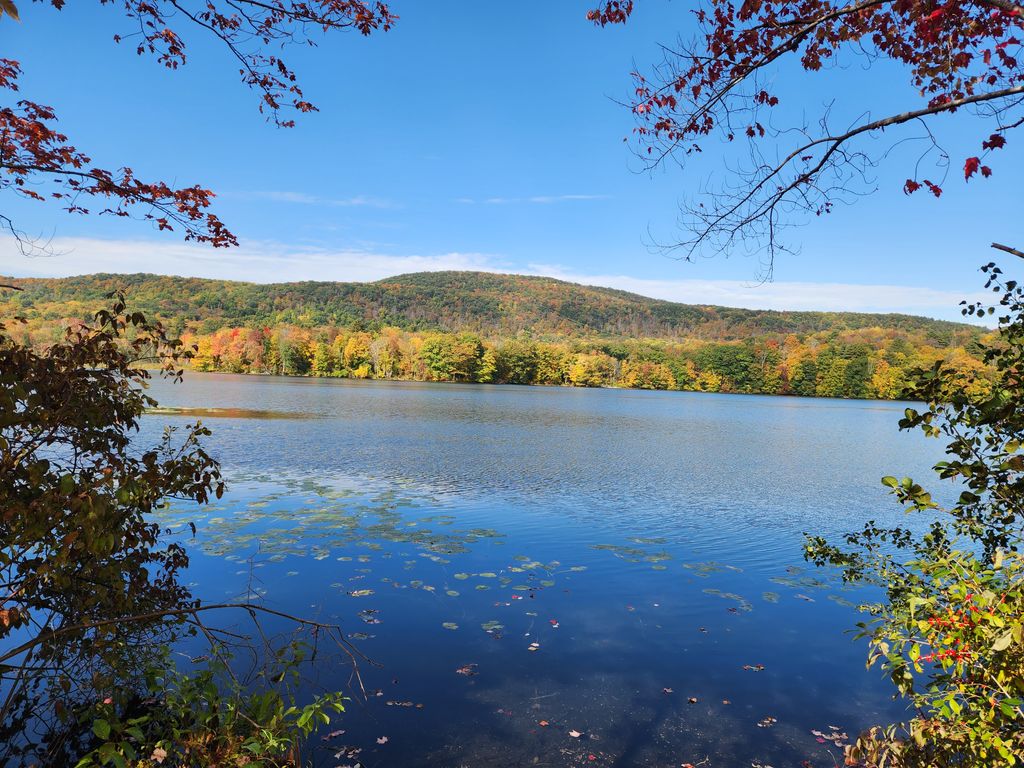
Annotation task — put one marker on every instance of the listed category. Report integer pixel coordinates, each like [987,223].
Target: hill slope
[490,304]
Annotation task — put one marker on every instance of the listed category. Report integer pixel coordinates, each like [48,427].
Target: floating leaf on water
[547,583]
[492,626]
[461,576]
[488,575]
[770,597]
[658,557]
[744,605]
[450,625]
[451,593]
[578,568]
[803,582]
[705,569]
[619,549]
[842,601]
[641,540]
[482,587]
[484,533]
[659,567]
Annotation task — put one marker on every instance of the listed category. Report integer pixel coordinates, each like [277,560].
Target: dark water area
[554,577]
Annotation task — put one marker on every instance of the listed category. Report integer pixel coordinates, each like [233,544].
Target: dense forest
[491,328]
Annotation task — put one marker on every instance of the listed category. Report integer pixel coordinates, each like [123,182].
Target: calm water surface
[597,559]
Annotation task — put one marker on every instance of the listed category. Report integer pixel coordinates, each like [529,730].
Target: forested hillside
[450,301]
[482,327]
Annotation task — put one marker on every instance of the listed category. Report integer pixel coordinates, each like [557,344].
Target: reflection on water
[226,413]
[556,577]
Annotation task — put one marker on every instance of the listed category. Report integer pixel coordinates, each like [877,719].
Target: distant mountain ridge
[483,302]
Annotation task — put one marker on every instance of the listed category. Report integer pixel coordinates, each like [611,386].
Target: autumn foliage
[476,327]
[948,623]
[38,162]
[959,56]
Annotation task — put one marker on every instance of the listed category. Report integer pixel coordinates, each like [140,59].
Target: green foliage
[950,629]
[461,357]
[954,646]
[91,598]
[84,569]
[516,362]
[207,718]
[490,305]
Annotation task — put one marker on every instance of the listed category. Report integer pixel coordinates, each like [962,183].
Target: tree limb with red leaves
[960,55]
[38,162]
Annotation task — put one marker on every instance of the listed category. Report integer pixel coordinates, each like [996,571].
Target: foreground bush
[949,629]
[90,595]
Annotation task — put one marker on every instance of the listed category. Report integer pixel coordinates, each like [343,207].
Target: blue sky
[477,136]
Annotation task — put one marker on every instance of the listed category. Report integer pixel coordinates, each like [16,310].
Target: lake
[554,576]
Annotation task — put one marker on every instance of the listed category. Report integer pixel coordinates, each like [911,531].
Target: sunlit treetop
[961,56]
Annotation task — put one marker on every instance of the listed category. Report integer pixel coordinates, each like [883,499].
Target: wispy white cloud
[839,297]
[545,199]
[534,199]
[266,262]
[302,198]
[253,262]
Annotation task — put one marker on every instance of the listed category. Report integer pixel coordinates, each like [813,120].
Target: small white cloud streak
[275,263]
[302,198]
[534,199]
[250,262]
[545,199]
[798,296]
